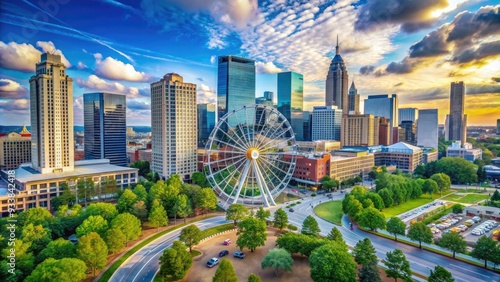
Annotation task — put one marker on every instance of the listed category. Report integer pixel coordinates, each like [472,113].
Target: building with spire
[337,83]
[353,100]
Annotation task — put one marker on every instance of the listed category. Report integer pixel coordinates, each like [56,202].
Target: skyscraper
[353,99]
[235,84]
[337,83]
[384,106]
[104,120]
[427,128]
[173,127]
[206,122]
[326,123]
[360,130]
[457,121]
[291,100]
[51,102]
[408,132]
[407,114]
[269,95]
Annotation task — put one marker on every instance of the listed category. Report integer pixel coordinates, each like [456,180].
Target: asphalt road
[143,265]
[421,261]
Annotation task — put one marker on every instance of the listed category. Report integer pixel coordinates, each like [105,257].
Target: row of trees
[458,169]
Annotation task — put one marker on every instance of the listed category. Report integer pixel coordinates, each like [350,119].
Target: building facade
[456,120]
[408,114]
[173,127]
[384,106]
[105,126]
[384,132]
[291,100]
[408,132]
[337,83]
[319,146]
[235,84]
[206,122]
[270,95]
[311,168]
[353,100]
[404,156]
[465,151]
[360,130]
[15,150]
[427,128]
[326,123]
[345,164]
[51,103]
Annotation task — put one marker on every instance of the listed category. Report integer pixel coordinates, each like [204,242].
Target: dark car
[239,255]
[291,210]
[303,192]
[212,262]
[223,253]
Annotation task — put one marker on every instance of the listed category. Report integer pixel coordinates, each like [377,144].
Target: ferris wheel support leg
[242,181]
[264,186]
[260,183]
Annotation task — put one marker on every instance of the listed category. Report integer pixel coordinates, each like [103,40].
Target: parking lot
[407,217]
[471,228]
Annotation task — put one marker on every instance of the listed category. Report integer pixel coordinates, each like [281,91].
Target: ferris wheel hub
[253,153]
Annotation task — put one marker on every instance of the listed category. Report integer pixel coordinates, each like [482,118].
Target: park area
[466,198]
[330,211]
[411,204]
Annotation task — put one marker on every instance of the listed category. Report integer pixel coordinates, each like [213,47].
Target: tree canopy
[364,252]
[485,249]
[236,212]
[93,223]
[129,225]
[62,270]
[175,261]
[421,233]
[225,272]
[251,233]
[280,219]
[310,227]
[279,259]
[92,250]
[440,274]
[397,266]
[190,236]
[396,227]
[330,262]
[372,218]
[453,242]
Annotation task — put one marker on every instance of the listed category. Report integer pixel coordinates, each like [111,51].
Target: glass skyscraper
[206,122]
[235,84]
[105,127]
[291,100]
[384,106]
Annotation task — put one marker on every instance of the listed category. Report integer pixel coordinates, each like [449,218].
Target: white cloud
[81,66]
[117,70]
[268,67]
[49,47]
[213,59]
[95,83]
[206,94]
[10,89]
[22,57]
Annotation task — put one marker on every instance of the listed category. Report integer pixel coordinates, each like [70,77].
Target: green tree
[396,227]
[225,272]
[372,218]
[157,216]
[106,210]
[262,214]
[254,278]
[143,167]
[430,186]
[336,236]
[190,236]
[279,259]
[183,206]
[369,273]
[126,201]
[386,196]
[485,249]
[129,225]
[206,200]
[25,261]
[115,240]
[251,233]
[35,216]
[496,196]
[440,274]
[364,252]
[421,233]
[458,169]
[457,208]
[324,257]
[140,210]
[93,223]
[37,235]
[175,261]
[92,249]
[236,212]
[57,249]
[310,227]
[443,181]
[378,202]
[66,198]
[200,179]
[63,270]
[397,266]
[140,192]
[280,219]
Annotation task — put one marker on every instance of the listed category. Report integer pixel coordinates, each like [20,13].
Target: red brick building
[311,168]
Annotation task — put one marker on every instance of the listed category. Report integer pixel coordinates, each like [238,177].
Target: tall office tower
[457,121]
[269,95]
[337,83]
[384,106]
[408,132]
[384,132]
[291,100]
[360,130]
[206,122]
[307,125]
[51,102]
[326,123]
[353,100]
[105,129]
[427,128]
[173,127]
[408,114]
[235,84]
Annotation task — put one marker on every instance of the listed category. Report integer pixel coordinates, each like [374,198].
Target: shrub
[292,227]
[457,208]
[313,195]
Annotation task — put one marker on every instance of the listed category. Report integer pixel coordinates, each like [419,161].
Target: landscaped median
[330,211]
[109,272]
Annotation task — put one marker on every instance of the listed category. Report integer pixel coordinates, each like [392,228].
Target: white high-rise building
[51,101]
[173,126]
[427,128]
[326,123]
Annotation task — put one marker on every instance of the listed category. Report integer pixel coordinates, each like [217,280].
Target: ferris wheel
[251,155]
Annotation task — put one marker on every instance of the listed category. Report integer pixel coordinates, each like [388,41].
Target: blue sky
[122,46]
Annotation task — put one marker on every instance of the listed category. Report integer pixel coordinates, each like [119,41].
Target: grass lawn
[470,198]
[286,197]
[406,206]
[331,211]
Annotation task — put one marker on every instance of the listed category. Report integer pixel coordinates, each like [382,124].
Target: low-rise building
[15,149]
[36,189]
[492,172]
[349,163]
[404,156]
[310,168]
[483,212]
[430,155]
[466,151]
[317,146]
[139,155]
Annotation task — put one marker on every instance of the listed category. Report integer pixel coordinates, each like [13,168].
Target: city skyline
[415,54]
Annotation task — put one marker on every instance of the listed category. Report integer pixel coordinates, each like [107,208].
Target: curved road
[143,264]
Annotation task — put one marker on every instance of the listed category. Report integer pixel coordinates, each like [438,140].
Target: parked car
[223,253]
[291,210]
[239,255]
[227,242]
[212,262]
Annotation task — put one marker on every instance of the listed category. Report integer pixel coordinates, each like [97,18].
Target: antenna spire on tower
[337,47]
